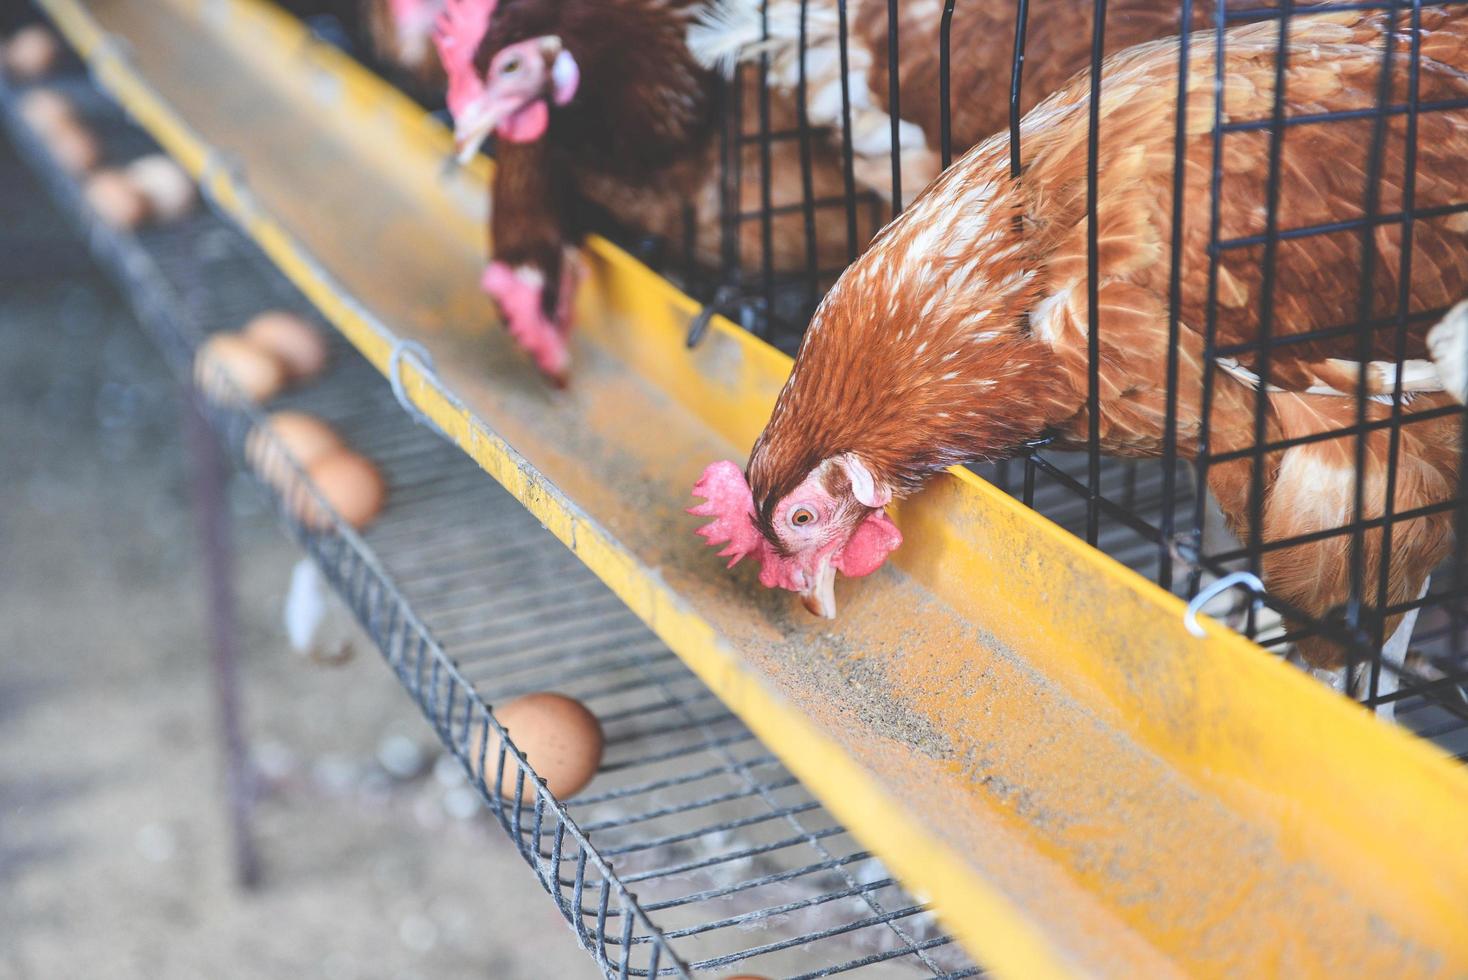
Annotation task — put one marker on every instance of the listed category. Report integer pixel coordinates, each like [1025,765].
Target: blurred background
[114,852]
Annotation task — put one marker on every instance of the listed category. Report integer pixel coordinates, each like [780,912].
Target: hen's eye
[801,516]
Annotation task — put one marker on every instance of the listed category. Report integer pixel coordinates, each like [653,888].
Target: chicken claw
[519,291]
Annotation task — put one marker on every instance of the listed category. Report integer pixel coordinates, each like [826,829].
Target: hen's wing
[1314,360]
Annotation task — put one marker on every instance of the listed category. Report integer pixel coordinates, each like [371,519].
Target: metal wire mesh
[693,850]
[1153,514]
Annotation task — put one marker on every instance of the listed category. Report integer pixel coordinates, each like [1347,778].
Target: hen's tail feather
[729,33]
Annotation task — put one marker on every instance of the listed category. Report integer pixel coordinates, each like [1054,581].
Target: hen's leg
[518,291]
[573,270]
[1393,657]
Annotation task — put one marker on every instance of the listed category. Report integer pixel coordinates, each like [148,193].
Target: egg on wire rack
[302,437]
[561,739]
[31,52]
[256,375]
[300,346]
[114,198]
[170,191]
[43,110]
[72,146]
[349,484]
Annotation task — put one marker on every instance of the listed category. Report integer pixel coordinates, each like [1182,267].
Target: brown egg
[298,344]
[73,147]
[304,438]
[31,52]
[44,110]
[116,199]
[168,188]
[561,739]
[225,357]
[350,485]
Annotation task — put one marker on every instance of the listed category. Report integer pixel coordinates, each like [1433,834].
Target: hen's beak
[819,597]
[481,118]
[507,95]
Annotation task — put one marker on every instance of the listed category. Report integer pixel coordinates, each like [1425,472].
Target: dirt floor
[114,856]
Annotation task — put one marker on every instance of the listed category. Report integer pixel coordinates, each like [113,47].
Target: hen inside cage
[1233,232]
[1238,246]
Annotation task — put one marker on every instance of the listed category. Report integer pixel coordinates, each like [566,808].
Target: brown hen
[637,138]
[963,331]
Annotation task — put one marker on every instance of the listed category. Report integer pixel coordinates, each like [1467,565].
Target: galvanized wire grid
[1149,514]
[1146,514]
[708,855]
[1128,509]
[1433,701]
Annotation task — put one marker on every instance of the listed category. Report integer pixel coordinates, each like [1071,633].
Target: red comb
[729,501]
[457,34]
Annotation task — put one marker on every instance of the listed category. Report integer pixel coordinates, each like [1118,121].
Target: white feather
[729,32]
[317,622]
[1448,342]
[1417,376]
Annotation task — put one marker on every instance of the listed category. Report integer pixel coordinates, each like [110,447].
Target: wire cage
[832,115]
[895,92]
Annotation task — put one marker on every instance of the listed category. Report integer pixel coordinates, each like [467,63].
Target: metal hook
[111,47]
[1229,581]
[223,163]
[699,326]
[1031,445]
[400,348]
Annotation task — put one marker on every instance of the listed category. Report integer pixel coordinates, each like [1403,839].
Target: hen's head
[831,521]
[502,88]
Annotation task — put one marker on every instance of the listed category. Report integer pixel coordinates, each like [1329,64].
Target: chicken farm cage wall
[888,93]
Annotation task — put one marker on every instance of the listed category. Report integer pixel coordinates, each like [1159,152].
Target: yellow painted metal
[1018,725]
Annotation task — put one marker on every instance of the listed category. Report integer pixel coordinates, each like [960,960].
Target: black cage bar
[1151,513]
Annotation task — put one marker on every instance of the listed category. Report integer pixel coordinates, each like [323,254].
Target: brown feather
[528,222]
[963,331]
[641,142]
[981,48]
[420,67]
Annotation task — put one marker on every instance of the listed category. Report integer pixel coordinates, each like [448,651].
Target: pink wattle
[778,572]
[874,539]
[520,304]
[527,125]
